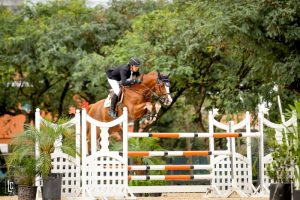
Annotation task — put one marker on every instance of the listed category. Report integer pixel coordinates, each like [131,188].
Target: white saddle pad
[107,101]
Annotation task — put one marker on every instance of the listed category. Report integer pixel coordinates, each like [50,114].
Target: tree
[218,54]
[227,54]
[52,51]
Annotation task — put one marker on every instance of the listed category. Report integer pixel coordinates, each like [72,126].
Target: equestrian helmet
[135,61]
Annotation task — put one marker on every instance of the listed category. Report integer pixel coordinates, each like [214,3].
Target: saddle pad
[107,101]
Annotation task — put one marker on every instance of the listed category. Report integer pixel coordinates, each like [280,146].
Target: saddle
[151,108]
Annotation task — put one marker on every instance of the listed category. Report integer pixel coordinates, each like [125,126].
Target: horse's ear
[158,74]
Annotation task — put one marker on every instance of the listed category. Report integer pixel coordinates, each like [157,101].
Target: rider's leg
[116,88]
[112,110]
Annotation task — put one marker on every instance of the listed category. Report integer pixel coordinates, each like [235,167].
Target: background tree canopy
[223,54]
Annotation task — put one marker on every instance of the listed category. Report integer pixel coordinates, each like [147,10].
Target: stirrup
[112,114]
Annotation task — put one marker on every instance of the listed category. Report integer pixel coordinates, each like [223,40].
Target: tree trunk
[198,107]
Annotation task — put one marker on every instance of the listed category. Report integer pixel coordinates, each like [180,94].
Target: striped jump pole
[192,135]
[164,167]
[171,177]
[176,153]
[168,167]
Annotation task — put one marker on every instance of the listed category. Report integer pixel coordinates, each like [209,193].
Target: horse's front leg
[157,107]
[149,109]
[153,112]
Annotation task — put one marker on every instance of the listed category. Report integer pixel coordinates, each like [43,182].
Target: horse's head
[162,89]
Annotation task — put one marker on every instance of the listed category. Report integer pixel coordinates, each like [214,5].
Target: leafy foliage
[23,154]
[286,155]
[228,55]
[279,169]
[44,45]
[22,169]
[295,140]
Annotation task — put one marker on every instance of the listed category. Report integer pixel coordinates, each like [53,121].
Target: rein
[152,93]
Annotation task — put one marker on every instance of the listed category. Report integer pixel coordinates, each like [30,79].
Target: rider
[123,75]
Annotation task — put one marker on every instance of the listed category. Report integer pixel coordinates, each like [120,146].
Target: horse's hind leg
[117,136]
[98,132]
[88,138]
[114,132]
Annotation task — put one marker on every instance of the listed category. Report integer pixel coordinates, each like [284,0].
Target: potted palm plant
[21,164]
[286,160]
[294,135]
[49,137]
[23,170]
[279,171]
[296,191]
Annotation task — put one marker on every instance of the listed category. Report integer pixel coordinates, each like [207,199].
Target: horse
[138,98]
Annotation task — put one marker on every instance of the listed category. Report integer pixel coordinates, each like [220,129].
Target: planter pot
[280,191]
[296,194]
[26,192]
[51,189]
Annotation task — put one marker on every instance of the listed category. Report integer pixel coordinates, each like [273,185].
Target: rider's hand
[134,81]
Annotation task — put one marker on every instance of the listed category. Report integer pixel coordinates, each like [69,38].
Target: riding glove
[134,81]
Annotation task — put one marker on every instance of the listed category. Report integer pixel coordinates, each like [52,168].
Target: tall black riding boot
[112,110]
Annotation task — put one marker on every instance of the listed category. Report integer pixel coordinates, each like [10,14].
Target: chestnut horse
[153,87]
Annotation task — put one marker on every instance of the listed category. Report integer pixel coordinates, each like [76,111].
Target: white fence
[104,173]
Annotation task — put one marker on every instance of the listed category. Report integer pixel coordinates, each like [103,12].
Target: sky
[91,3]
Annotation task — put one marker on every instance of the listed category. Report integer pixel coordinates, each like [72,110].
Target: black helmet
[134,61]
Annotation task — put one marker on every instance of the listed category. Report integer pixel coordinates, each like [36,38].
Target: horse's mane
[148,77]
[152,73]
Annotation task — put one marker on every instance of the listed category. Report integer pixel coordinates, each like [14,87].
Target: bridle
[149,93]
[159,84]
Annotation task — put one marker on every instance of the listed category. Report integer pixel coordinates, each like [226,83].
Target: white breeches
[114,85]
